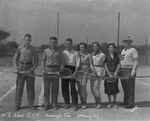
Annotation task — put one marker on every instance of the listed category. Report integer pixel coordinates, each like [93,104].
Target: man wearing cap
[129,61]
[25,60]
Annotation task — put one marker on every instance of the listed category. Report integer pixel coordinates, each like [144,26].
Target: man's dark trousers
[65,88]
[128,86]
[20,86]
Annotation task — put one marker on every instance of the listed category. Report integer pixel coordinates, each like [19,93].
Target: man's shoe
[98,106]
[95,105]
[109,106]
[45,108]
[32,107]
[55,107]
[17,108]
[67,106]
[84,107]
[75,108]
[115,105]
[129,106]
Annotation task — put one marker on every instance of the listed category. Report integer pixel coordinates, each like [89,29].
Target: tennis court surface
[140,112]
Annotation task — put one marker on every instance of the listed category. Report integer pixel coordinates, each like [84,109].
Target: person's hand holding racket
[110,74]
[115,74]
[123,74]
[43,72]
[23,73]
[133,72]
[79,75]
[30,71]
[111,78]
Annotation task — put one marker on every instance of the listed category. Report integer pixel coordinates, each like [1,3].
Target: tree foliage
[12,45]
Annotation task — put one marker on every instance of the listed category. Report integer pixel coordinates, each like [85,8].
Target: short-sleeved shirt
[127,57]
[85,58]
[26,54]
[112,63]
[51,57]
[98,59]
[71,58]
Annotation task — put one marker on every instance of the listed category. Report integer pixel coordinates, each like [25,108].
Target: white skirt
[100,71]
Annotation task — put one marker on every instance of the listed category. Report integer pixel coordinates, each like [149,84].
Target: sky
[95,20]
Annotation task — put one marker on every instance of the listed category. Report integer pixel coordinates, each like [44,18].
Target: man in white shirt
[71,61]
[129,60]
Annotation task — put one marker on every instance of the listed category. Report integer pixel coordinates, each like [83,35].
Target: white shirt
[71,58]
[127,57]
[98,59]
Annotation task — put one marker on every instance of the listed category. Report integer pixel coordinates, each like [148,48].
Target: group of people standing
[97,63]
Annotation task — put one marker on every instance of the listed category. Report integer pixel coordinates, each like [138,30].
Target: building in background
[4,34]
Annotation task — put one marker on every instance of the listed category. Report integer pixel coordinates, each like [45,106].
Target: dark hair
[113,44]
[97,44]
[27,35]
[69,39]
[82,43]
[54,38]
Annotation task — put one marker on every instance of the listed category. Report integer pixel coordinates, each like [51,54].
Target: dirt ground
[7,95]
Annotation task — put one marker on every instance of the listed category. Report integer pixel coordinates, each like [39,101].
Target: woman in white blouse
[98,59]
[85,62]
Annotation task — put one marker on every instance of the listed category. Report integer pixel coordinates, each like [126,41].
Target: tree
[12,45]
[44,46]
[104,47]
[3,50]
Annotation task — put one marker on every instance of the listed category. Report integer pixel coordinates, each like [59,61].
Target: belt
[25,62]
[70,65]
[97,65]
[53,66]
[84,64]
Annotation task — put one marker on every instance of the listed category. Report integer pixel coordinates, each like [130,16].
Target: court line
[7,93]
[145,84]
[41,93]
[41,96]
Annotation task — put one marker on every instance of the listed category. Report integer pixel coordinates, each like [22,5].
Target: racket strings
[79,75]
[111,78]
[123,74]
[65,73]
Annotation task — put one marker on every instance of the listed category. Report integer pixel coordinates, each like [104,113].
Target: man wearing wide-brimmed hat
[129,61]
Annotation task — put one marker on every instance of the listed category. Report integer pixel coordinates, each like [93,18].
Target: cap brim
[127,40]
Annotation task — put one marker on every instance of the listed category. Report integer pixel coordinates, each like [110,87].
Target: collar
[53,49]
[126,49]
[96,53]
[82,53]
[27,46]
[112,54]
[68,50]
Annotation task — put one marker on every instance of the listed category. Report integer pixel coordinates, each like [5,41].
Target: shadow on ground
[143,104]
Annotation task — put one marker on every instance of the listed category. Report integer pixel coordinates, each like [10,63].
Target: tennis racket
[110,79]
[78,75]
[123,74]
[63,73]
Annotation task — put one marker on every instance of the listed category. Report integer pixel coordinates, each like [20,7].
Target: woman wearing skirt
[112,64]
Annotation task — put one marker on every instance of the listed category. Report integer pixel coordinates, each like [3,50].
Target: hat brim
[127,40]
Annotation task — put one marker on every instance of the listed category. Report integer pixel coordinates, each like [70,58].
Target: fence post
[146,56]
